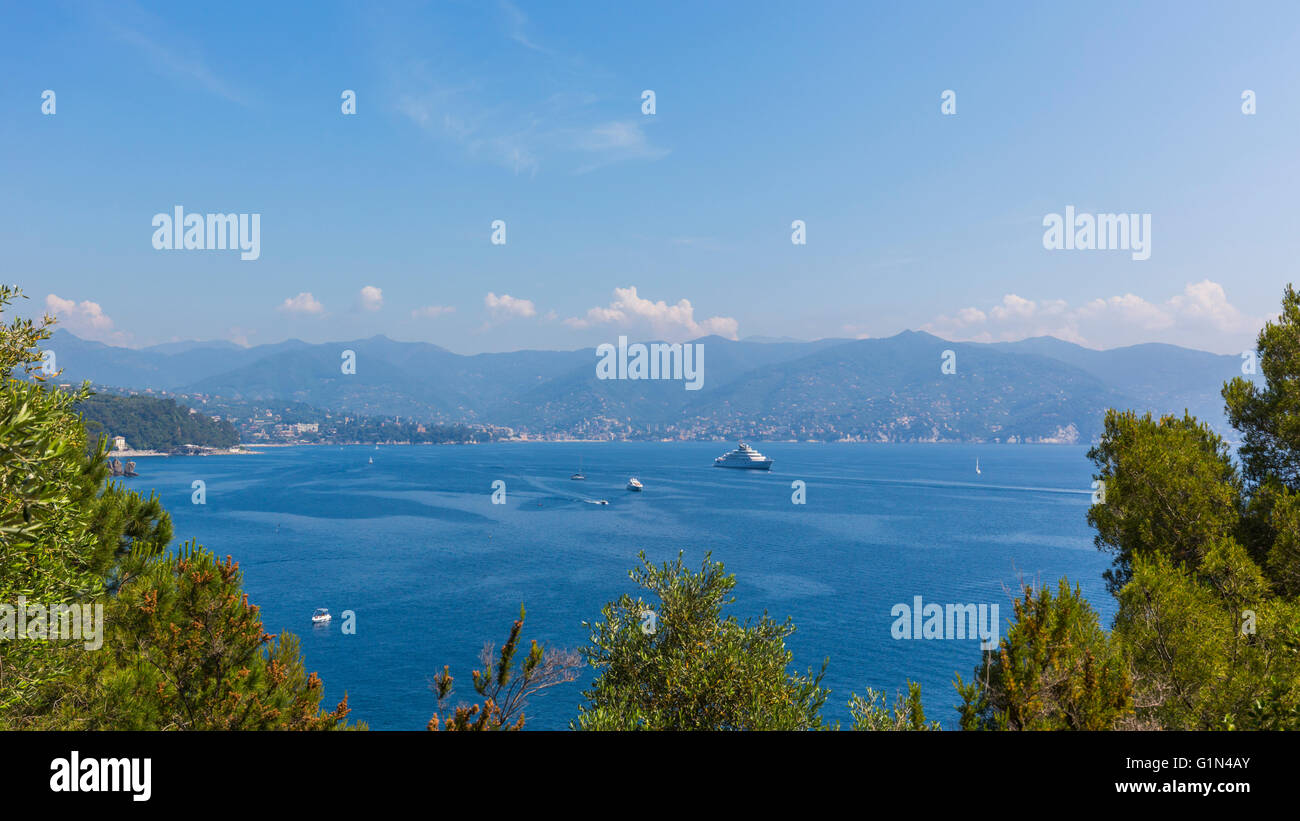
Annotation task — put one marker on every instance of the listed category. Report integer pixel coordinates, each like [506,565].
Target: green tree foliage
[1207,567]
[50,548]
[872,712]
[1272,532]
[682,665]
[1171,488]
[1205,644]
[504,686]
[1269,417]
[1055,669]
[182,647]
[185,650]
[154,424]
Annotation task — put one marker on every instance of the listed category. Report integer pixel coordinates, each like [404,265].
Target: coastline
[136,454]
[532,441]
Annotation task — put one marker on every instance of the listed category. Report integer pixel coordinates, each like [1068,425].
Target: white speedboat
[745,458]
[635,484]
[321,616]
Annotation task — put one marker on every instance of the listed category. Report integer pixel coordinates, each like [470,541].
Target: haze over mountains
[889,389]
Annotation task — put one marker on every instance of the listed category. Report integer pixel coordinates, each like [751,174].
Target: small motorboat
[635,484]
[321,616]
[596,501]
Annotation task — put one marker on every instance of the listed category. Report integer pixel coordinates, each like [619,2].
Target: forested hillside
[153,424]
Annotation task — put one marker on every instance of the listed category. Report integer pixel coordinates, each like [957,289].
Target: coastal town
[289,423]
[281,423]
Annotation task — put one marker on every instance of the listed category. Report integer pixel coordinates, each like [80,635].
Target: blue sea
[432,569]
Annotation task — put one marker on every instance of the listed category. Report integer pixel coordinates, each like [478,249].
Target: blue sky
[531,113]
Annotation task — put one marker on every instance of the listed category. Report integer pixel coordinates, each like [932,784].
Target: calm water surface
[414,546]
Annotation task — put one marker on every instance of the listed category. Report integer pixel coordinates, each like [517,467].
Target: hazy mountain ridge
[889,389]
[892,389]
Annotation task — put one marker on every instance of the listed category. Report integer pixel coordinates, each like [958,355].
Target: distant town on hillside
[894,389]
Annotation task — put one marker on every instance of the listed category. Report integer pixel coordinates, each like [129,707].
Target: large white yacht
[745,458]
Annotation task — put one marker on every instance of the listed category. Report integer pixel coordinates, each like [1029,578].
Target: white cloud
[170,52]
[503,137]
[303,303]
[616,141]
[517,26]
[431,311]
[509,307]
[1200,317]
[1207,300]
[88,314]
[570,128]
[673,323]
[1129,308]
[371,298]
[1014,307]
[85,319]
